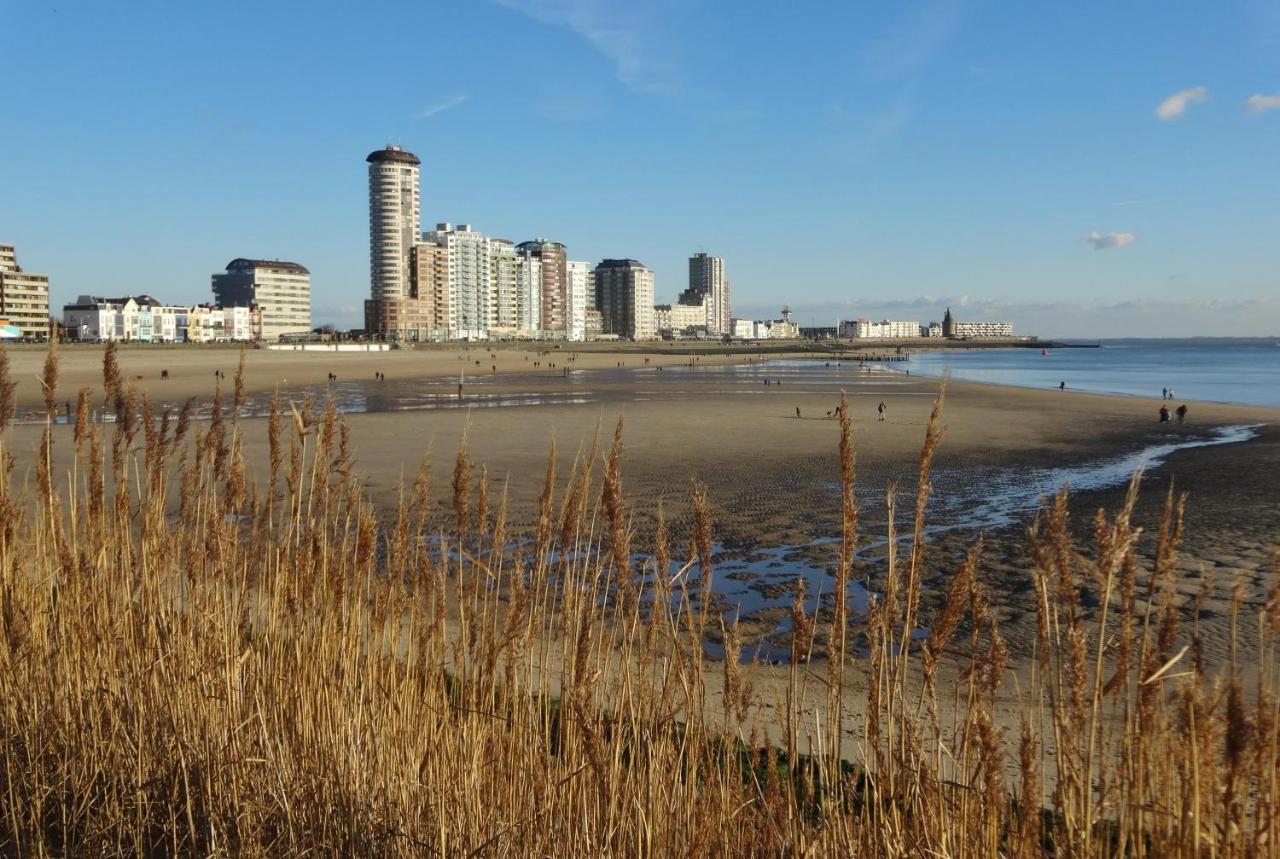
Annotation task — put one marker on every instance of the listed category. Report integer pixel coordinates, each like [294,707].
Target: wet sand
[770,476]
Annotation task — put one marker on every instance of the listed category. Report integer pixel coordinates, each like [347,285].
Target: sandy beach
[770,475]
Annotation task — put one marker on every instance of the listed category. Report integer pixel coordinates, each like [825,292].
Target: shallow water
[976,500]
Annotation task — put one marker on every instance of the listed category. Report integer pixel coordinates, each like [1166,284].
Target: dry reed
[235,669]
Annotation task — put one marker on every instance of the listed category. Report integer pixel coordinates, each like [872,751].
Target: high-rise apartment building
[399,306]
[553,284]
[578,275]
[624,295]
[707,281]
[504,310]
[393,220]
[281,290]
[470,277]
[24,296]
[528,294]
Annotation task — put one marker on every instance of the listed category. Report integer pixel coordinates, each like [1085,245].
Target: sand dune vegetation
[196,659]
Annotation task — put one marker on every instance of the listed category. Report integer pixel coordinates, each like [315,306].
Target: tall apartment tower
[553,292]
[469,278]
[706,279]
[579,282]
[624,295]
[393,221]
[24,296]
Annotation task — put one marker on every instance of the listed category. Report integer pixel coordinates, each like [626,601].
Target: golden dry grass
[196,660]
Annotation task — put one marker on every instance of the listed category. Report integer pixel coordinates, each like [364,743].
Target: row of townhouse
[143,319]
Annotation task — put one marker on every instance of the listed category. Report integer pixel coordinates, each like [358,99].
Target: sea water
[1213,370]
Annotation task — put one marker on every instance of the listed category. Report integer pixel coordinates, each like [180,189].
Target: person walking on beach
[1164,414]
[797,412]
[1182,413]
[880,410]
[1062,386]
[1164,393]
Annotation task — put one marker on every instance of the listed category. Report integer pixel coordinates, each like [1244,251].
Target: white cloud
[1176,105]
[1259,102]
[442,106]
[1106,241]
[624,33]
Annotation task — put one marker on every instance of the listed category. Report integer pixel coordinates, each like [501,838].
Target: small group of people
[380,376]
[836,412]
[1181,412]
[1166,393]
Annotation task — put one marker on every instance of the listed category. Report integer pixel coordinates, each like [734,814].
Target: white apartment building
[528,295]
[681,320]
[469,257]
[708,283]
[744,329]
[624,296]
[24,296]
[91,318]
[578,275]
[981,330]
[281,290]
[393,221]
[888,328]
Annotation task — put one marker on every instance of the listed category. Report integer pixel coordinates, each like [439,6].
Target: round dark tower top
[393,153]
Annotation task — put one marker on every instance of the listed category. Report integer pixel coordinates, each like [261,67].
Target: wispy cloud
[1142,201]
[624,33]
[1259,102]
[904,49]
[1106,241]
[442,106]
[896,60]
[1176,105]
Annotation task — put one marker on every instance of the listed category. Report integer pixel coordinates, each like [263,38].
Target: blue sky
[1086,169]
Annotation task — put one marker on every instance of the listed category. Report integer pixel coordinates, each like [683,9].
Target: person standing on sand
[1182,413]
[880,410]
[1164,393]
[1062,386]
[1164,414]
[797,412]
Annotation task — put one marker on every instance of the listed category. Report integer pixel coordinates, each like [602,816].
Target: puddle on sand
[759,588]
[1007,495]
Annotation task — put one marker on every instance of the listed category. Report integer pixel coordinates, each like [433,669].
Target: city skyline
[937,156]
